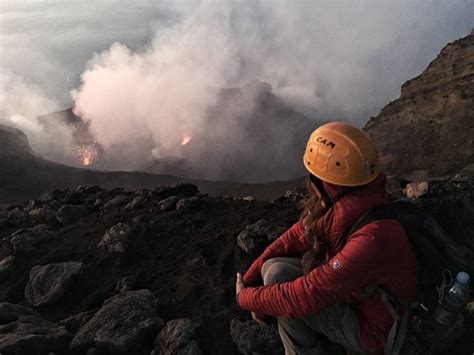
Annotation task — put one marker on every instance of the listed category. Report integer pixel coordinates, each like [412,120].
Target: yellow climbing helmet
[341,154]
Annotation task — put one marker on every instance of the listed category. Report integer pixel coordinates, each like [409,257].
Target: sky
[132,68]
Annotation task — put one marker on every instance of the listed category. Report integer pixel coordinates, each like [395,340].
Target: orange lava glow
[86,155]
[186,139]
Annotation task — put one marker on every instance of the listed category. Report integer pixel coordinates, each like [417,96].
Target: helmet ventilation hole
[338,164]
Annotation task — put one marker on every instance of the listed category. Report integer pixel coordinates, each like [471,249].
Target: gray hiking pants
[300,335]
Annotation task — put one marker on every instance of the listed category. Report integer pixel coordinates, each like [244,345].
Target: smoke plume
[327,59]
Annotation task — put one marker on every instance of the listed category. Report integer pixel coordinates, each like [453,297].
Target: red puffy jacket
[377,254]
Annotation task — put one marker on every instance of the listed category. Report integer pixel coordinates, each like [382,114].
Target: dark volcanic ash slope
[429,130]
[23,175]
[112,270]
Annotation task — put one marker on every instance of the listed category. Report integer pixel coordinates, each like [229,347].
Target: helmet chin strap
[324,195]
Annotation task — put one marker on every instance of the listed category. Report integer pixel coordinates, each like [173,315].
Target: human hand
[239,284]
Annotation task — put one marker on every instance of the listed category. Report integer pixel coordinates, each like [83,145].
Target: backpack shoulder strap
[375,214]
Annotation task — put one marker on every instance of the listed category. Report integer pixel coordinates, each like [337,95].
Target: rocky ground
[96,271]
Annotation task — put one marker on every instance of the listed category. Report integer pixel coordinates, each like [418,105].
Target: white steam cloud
[328,59]
[20,103]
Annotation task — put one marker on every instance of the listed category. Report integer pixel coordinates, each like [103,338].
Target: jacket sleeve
[290,243]
[352,269]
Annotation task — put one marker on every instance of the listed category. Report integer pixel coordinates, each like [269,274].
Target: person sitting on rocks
[315,277]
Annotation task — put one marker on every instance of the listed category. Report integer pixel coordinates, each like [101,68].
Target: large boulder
[25,241]
[256,236]
[178,337]
[126,324]
[253,338]
[22,331]
[48,283]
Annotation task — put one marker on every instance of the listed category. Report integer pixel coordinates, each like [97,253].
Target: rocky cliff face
[429,130]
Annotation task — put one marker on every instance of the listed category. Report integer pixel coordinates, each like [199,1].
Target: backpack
[439,262]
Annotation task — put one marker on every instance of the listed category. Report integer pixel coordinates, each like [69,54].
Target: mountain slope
[24,175]
[429,130]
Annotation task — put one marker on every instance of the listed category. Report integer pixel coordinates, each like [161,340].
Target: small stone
[30,205]
[46,197]
[188,203]
[137,202]
[126,283]
[6,264]
[117,201]
[48,283]
[416,190]
[168,203]
[71,213]
[116,239]
[15,213]
[248,198]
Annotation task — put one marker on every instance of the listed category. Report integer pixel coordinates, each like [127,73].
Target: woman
[316,278]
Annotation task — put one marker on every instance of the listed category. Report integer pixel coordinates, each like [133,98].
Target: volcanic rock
[24,332]
[71,213]
[48,283]
[255,236]
[6,264]
[188,203]
[15,213]
[416,189]
[188,261]
[253,338]
[25,241]
[168,203]
[125,324]
[116,239]
[126,283]
[117,201]
[73,323]
[427,132]
[178,337]
[137,202]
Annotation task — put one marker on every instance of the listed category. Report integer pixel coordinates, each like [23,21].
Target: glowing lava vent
[186,139]
[87,155]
